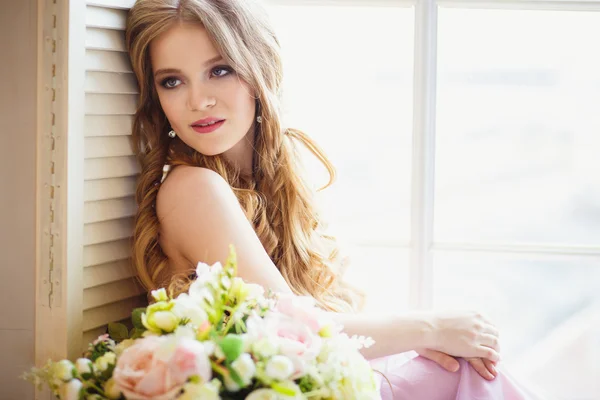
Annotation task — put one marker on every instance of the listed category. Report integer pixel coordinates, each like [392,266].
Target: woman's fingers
[479,365]
[489,353]
[447,362]
[490,366]
[491,329]
[490,341]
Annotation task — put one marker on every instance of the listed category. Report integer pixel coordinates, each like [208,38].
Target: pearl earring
[259,119]
[172,133]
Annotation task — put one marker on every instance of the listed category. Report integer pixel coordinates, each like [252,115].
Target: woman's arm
[392,334]
[201,216]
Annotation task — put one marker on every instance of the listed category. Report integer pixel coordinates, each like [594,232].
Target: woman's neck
[242,154]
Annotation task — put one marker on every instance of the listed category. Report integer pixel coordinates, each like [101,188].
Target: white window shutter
[110,290]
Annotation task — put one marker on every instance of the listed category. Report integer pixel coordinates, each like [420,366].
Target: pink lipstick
[207,125]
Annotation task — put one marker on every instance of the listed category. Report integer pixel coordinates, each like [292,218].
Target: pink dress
[411,377]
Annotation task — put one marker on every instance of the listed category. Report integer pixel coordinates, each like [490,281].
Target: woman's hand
[464,334]
[444,360]
[484,367]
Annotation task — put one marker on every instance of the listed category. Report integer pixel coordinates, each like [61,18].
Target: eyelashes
[167,82]
[223,68]
[221,71]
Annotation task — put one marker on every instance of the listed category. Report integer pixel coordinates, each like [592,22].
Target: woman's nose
[200,98]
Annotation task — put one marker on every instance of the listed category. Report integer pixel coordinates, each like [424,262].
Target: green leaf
[136,318]
[118,332]
[136,333]
[108,373]
[232,346]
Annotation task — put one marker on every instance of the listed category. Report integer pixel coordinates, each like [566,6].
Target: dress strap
[166,169]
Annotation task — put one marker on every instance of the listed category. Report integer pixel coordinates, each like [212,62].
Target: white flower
[160,295]
[263,394]
[165,320]
[279,367]
[112,389]
[245,368]
[185,331]
[102,363]
[158,318]
[206,273]
[63,370]
[199,292]
[362,341]
[265,347]
[206,391]
[209,347]
[255,291]
[186,307]
[226,282]
[256,327]
[238,289]
[70,390]
[289,390]
[83,366]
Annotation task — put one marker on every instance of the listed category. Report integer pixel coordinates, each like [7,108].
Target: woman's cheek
[172,111]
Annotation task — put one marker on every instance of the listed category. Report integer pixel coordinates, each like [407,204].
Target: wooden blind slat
[103,253]
[105,39]
[97,317]
[113,188]
[105,210]
[107,61]
[110,293]
[103,17]
[119,4]
[110,104]
[103,274]
[108,125]
[113,167]
[107,231]
[109,146]
[110,83]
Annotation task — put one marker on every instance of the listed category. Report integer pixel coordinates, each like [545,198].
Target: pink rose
[295,339]
[303,309]
[157,367]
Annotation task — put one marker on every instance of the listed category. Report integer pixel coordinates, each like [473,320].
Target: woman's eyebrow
[163,71]
[167,71]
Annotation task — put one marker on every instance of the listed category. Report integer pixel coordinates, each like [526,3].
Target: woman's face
[196,87]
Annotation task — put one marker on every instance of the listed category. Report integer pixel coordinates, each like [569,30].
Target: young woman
[209,73]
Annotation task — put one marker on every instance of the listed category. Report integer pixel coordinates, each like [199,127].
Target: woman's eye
[221,71]
[170,83]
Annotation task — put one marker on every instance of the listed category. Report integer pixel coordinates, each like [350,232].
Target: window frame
[422,245]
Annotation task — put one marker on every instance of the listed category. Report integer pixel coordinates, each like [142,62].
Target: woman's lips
[208,128]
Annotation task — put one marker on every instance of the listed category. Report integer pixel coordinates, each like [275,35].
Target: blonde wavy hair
[276,200]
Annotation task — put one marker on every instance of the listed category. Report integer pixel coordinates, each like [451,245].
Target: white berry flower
[279,367]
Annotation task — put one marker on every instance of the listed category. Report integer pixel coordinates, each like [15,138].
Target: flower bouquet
[223,339]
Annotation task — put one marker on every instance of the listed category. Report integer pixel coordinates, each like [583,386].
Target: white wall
[18,77]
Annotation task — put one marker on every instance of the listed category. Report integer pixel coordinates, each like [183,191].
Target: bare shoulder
[184,182]
[193,200]
[200,217]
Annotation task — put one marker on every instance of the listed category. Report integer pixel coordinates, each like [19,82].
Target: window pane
[382,273]
[352,92]
[518,127]
[548,312]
